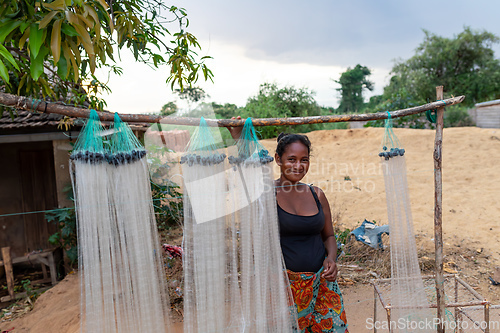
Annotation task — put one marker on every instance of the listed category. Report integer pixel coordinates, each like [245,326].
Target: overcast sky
[299,43]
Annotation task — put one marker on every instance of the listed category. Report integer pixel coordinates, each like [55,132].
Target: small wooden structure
[461,298]
[46,258]
[487,114]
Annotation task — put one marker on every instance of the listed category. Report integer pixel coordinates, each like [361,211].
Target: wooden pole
[29,104]
[9,272]
[438,213]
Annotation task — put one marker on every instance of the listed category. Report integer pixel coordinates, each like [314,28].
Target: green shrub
[65,237]
[457,116]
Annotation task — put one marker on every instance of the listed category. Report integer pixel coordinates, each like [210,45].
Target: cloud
[305,44]
[338,33]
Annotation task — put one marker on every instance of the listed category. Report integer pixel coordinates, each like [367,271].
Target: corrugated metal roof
[494,102]
[39,120]
[27,119]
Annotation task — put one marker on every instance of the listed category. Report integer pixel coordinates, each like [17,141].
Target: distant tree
[272,101]
[352,82]
[464,65]
[226,110]
[192,94]
[168,109]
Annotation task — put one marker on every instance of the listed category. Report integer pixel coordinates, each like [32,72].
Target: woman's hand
[330,270]
[235,131]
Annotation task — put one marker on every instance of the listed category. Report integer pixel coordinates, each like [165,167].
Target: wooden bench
[46,258]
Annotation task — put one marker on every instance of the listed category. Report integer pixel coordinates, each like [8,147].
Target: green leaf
[63,215]
[30,8]
[66,231]
[36,39]
[55,44]
[54,239]
[4,73]
[6,54]
[62,67]
[68,30]
[36,68]
[72,253]
[24,37]
[46,20]
[50,217]
[23,26]
[7,29]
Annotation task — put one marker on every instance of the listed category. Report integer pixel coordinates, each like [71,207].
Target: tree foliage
[168,109]
[226,110]
[272,102]
[464,65]
[192,94]
[51,49]
[352,82]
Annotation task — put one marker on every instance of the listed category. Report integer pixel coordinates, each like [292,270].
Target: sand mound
[57,310]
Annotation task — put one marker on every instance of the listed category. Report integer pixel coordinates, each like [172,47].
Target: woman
[307,239]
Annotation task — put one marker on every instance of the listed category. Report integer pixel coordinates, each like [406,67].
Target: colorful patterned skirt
[318,302]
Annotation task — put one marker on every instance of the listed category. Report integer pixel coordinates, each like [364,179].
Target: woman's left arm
[330,262]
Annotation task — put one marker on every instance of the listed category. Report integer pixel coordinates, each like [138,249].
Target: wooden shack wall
[61,166]
[27,179]
[488,116]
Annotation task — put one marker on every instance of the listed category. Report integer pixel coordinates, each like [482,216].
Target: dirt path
[58,310]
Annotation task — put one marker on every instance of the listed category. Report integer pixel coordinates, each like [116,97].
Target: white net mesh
[234,273]
[264,286]
[408,297]
[122,271]
[204,259]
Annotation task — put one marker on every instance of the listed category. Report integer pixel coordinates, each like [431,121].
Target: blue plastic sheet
[370,234]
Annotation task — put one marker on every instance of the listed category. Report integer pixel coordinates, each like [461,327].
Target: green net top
[123,139]
[89,145]
[124,145]
[202,148]
[391,147]
[90,138]
[250,150]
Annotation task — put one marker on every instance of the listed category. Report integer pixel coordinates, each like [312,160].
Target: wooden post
[374,310]
[438,213]
[487,317]
[52,267]
[9,272]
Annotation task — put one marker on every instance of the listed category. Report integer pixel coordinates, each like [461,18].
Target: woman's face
[294,163]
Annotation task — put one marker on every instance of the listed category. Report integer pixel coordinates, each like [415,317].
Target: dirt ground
[58,309]
[346,166]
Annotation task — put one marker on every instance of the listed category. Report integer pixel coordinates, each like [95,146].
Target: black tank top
[301,241]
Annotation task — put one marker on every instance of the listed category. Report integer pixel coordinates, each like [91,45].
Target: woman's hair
[285,139]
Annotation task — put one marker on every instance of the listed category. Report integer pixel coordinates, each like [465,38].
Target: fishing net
[265,295]
[120,262]
[204,259]
[234,274]
[409,303]
[90,186]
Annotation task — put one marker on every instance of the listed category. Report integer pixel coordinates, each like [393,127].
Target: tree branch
[29,104]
